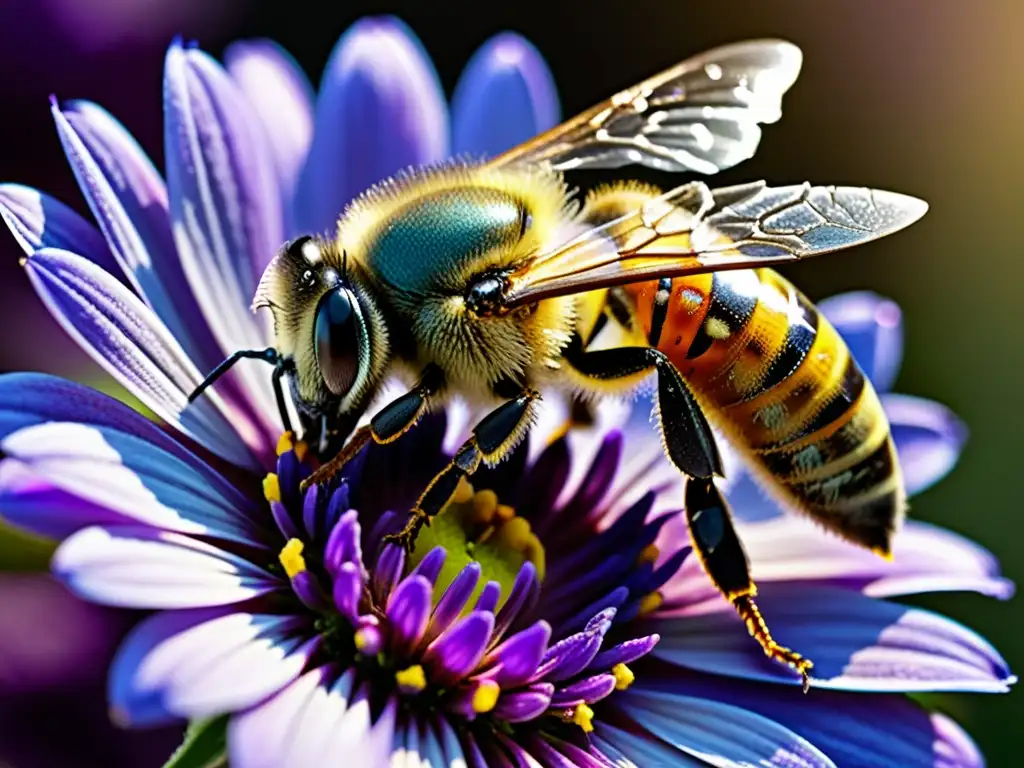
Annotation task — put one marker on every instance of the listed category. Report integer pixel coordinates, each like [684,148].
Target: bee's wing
[701,115]
[693,229]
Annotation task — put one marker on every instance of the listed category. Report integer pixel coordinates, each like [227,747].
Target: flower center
[476,527]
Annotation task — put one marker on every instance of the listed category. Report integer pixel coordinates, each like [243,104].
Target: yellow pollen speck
[648,554]
[486,696]
[361,638]
[717,328]
[271,488]
[412,679]
[285,443]
[291,558]
[624,677]
[463,492]
[650,603]
[583,716]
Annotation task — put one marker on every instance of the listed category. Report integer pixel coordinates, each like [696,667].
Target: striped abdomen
[777,378]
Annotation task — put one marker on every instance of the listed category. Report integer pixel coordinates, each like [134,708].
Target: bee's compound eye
[337,334]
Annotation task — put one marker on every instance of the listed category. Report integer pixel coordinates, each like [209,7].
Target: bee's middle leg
[390,423]
[493,437]
[690,445]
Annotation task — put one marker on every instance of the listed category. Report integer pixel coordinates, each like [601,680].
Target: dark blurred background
[920,97]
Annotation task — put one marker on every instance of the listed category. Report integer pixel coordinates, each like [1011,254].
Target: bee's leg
[690,445]
[493,437]
[390,423]
[689,441]
[724,561]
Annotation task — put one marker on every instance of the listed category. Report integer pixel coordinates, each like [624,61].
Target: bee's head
[326,321]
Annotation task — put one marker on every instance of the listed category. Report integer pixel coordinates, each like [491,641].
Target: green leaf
[205,745]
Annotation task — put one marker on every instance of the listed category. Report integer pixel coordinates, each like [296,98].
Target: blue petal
[129,200]
[124,336]
[225,207]
[720,734]
[139,567]
[872,326]
[505,96]
[198,663]
[128,476]
[857,643]
[873,731]
[39,221]
[928,436]
[381,109]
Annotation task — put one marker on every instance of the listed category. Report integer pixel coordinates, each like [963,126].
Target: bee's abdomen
[778,378]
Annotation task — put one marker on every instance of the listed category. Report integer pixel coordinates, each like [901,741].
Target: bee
[491,281]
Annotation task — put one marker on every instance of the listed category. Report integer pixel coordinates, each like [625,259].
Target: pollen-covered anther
[581,715]
[291,558]
[623,675]
[650,602]
[285,443]
[411,679]
[648,554]
[463,492]
[485,505]
[485,697]
[271,488]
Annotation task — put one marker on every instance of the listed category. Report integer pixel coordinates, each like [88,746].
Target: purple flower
[550,615]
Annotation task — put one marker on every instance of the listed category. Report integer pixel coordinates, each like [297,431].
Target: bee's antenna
[269,355]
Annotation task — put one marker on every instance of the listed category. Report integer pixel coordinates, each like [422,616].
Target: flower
[551,614]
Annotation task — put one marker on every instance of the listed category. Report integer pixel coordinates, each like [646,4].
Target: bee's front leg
[390,423]
[492,439]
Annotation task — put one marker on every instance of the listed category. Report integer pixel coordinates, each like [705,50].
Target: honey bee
[491,281]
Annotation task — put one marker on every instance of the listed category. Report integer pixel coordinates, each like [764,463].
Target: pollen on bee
[717,328]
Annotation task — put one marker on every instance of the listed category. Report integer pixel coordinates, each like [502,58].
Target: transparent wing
[693,229]
[702,115]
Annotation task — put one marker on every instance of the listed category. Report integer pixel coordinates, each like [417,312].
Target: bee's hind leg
[390,423]
[492,439]
[690,445]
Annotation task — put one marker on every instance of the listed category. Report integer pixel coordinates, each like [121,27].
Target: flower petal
[872,327]
[926,558]
[198,663]
[225,204]
[408,610]
[505,96]
[125,337]
[39,221]
[459,648]
[282,97]
[632,750]
[380,72]
[313,720]
[719,734]
[928,436]
[136,567]
[873,730]
[129,477]
[856,642]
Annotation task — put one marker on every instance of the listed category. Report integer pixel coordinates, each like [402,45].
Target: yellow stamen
[624,677]
[271,488]
[291,558]
[486,696]
[583,716]
[650,603]
[505,512]
[648,554]
[485,504]
[285,443]
[301,449]
[463,492]
[412,679]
